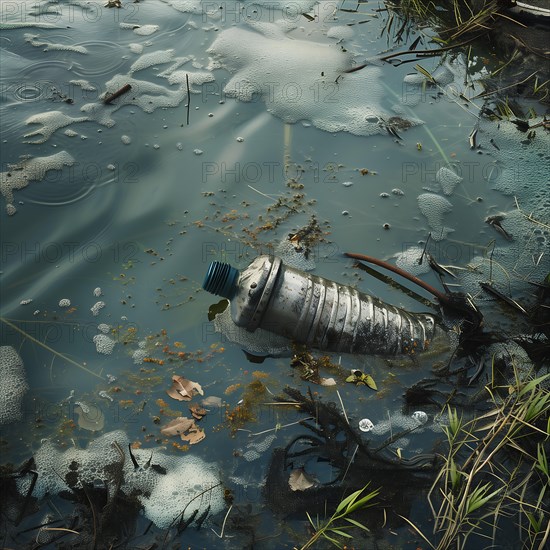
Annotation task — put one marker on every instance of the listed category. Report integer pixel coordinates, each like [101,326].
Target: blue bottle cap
[221,280]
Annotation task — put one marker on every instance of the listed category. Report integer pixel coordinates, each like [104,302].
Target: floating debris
[64,302]
[365,425]
[420,416]
[299,480]
[183,389]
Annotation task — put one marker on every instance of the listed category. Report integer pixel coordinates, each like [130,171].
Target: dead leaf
[299,480]
[194,435]
[183,389]
[177,426]
[197,411]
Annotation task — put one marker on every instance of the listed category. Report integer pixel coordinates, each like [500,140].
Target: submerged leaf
[299,480]
[177,426]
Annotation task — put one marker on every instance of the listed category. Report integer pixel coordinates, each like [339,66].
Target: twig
[188,96]
[439,295]
[342,405]
[220,536]
[118,93]
[418,53]
[32,339]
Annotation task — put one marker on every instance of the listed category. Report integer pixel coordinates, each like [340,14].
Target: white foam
[158,57]
[341,32]
[301,80]
[31,170]
[164,497]
[14,385]
[434,208]
[447,179]
[408,260]
[51,121]
[33,40]
[104,344]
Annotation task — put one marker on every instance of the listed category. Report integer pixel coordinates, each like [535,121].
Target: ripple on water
[104,58]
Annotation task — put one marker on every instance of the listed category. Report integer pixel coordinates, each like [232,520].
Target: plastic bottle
[317,312]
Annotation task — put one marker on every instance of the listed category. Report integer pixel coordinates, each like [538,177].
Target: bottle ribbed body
[324,314]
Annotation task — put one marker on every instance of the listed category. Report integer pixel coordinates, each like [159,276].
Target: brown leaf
[177,426]
[299,480]
[183,389]
[197,411]
[194,435]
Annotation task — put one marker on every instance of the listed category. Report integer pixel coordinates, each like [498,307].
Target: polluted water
[143,141]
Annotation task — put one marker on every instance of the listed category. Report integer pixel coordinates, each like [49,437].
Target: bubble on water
[25,302]
[136,48]
[64,302]
[397,192]
[138,356]
[95,309]
[14,385]
[251,455]
[97,292]
[341,32]
[306,73]
[447,179]
[104,328]
[408,261]
[179,146]
[158,57]
[70,133]
[163,496]
[104,344]
[347,183]
[414,78]
[260,342]
[126,139]
[434,208]
[443,75]
[49,46]
[30,170]
[141,30]
[51,121]
[84,84]
[295,256]
[198,151]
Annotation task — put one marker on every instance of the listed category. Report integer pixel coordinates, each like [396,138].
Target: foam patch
[30,170]
[301,80]
[13,383]
[434,208]
[186,476]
